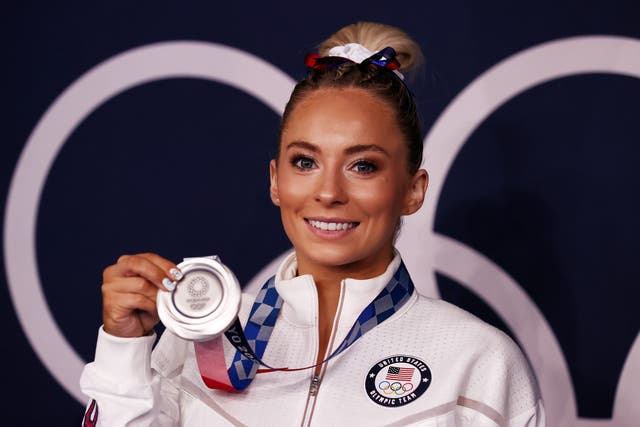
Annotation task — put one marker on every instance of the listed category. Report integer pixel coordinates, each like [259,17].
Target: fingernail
[168,284]
[177,274]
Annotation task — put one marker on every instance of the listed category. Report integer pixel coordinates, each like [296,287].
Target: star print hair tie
[355,53]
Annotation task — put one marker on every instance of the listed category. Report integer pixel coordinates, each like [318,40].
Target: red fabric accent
[393,64]
[91,415]
[311,59]
[211,383]
[212,364]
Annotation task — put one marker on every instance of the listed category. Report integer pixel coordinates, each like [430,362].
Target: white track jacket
[430,364]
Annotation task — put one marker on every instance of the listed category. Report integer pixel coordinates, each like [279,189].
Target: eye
[303,162]
[364,167]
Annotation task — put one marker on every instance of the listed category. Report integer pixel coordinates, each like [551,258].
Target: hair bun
[375,37]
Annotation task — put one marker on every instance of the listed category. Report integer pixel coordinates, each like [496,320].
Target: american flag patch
[399,374]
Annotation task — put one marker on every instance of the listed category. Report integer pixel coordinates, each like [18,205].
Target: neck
[328,277]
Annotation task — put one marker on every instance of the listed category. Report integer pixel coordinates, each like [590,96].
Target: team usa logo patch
[397,380]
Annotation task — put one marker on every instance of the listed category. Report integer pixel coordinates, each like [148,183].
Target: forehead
[337,116]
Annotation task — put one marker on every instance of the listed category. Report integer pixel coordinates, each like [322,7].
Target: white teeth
[332,226]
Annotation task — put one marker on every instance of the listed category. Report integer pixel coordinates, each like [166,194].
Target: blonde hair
[375,37]
[378,81]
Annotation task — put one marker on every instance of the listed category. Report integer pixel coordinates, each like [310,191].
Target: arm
[500,388]
[534,417]
[123,388]
[120,381]
[519,397]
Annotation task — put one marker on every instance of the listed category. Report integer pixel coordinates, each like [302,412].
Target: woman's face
[341,179]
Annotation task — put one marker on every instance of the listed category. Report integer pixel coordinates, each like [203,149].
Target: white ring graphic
[425,251]
[209,61]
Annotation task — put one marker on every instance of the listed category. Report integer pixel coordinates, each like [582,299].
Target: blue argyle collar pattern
[265,310]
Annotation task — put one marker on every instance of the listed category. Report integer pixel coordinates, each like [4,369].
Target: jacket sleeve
[535,417]
[501,388]
[123,388]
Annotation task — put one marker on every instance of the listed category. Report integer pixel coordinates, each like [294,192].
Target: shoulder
[442,317]
[479,340]
[497,371]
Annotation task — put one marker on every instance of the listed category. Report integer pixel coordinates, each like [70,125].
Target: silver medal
[205,301]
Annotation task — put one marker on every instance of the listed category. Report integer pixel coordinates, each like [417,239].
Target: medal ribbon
[251,343]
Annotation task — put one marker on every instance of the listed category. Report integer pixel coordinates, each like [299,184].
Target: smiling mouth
[331,226]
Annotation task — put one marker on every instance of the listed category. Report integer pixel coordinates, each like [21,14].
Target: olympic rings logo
[395,388]
[507,79]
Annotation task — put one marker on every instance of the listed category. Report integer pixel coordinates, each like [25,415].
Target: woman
[346,171]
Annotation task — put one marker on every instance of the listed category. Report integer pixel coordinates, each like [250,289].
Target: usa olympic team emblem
[397,380]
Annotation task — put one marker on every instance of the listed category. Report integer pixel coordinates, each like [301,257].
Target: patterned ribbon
[251,344]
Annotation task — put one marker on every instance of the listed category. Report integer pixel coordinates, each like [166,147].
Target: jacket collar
[300,298]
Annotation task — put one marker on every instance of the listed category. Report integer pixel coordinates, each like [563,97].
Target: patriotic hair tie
[356,53]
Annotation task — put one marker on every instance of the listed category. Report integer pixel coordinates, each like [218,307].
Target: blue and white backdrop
[148,126]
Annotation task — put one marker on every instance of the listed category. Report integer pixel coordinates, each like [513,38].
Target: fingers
[126,302]
[133,285]
[129,292]
[127,314]
[165,264]
[157,270]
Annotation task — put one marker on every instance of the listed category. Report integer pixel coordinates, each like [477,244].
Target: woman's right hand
[129,290]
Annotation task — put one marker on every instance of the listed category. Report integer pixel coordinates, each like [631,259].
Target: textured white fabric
[479,376]
[356,53]
[353,51]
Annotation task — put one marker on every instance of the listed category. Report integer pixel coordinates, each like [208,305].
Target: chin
[328,256]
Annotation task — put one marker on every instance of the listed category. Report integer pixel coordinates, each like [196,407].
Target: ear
[273,179]
[416,192]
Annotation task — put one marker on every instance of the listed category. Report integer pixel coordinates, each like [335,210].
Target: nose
[330,189]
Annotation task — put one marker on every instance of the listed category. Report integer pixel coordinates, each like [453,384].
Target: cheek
[296,195]
[291,190]
[384,198]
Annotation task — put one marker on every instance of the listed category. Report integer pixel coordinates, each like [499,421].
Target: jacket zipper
[316,379]
[313,388]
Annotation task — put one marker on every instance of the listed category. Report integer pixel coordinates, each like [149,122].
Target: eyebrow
[304,145]
[354,149]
